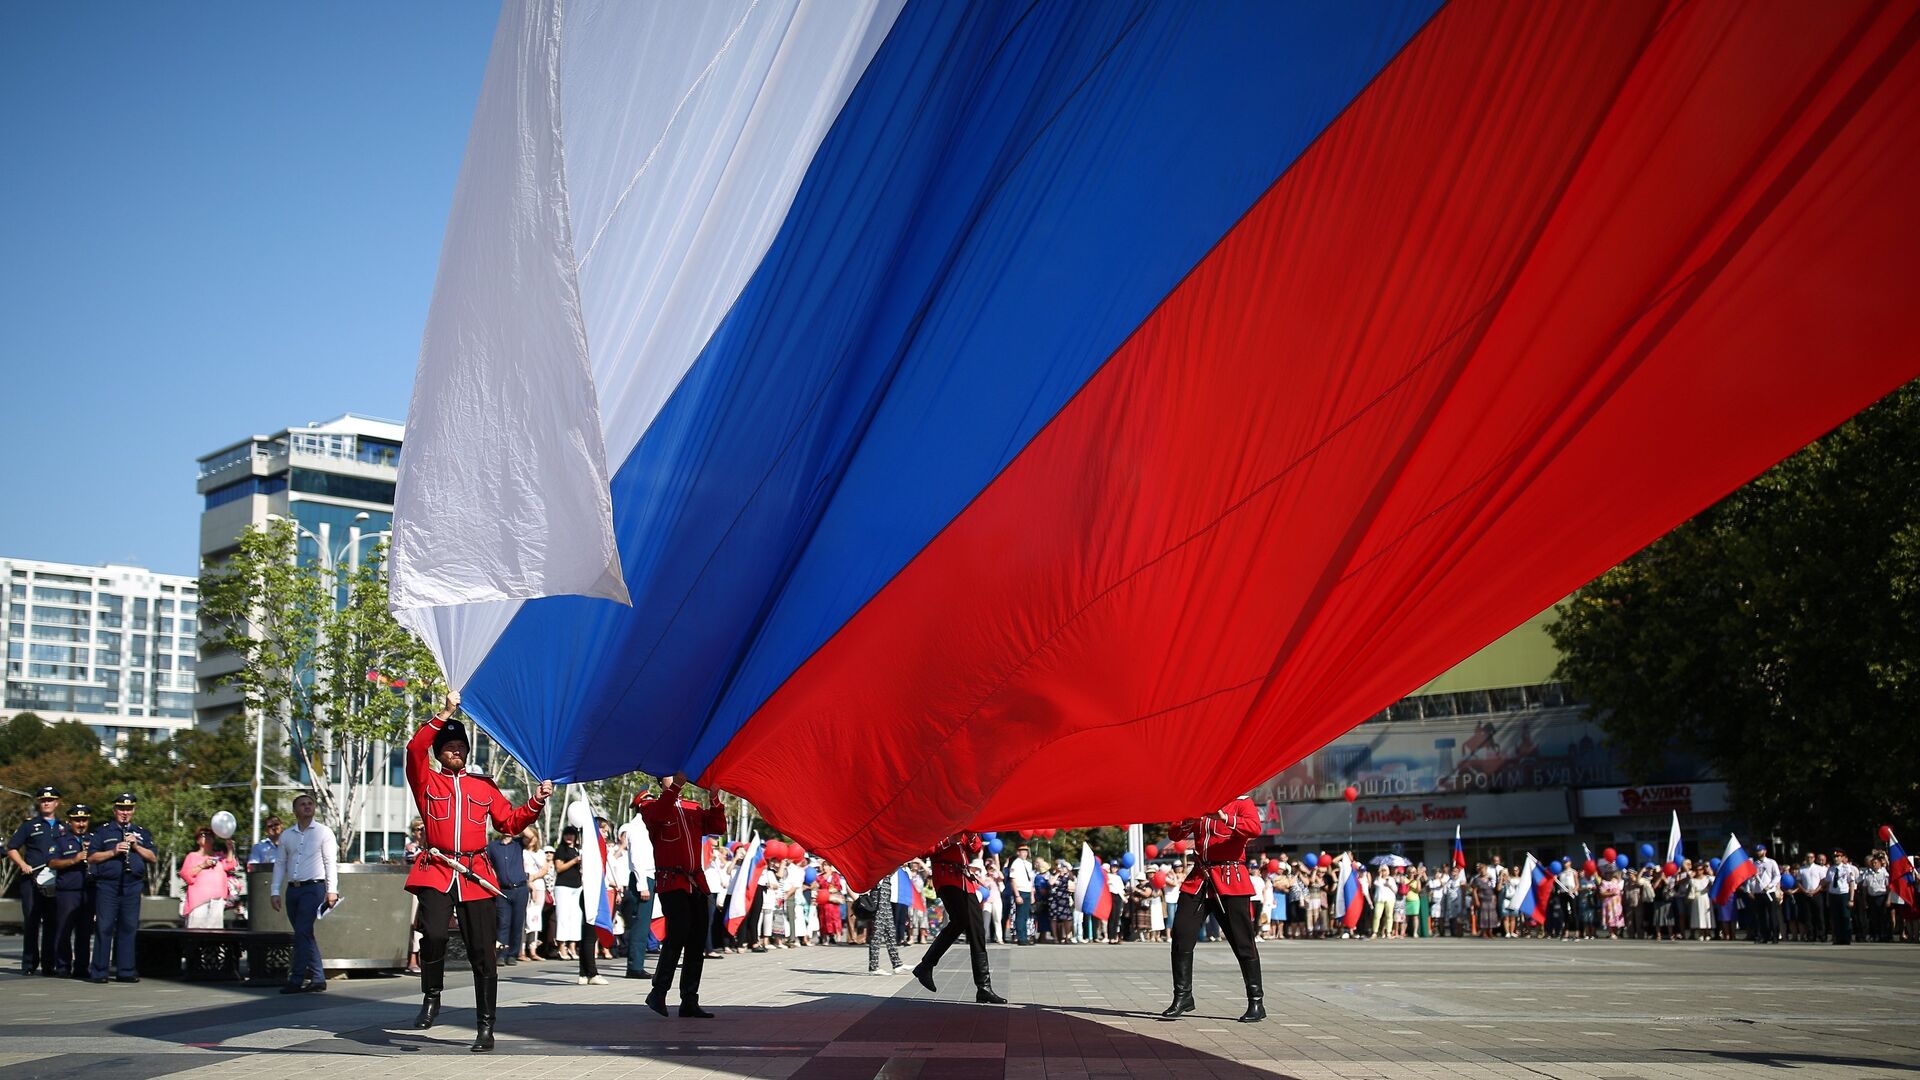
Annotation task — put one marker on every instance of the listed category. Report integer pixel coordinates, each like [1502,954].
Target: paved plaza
[1338,1009]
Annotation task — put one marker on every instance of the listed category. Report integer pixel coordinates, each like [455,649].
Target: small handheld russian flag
[1350,898]
[1901,877]
[1459,852]
[1735,870]
[1673,840]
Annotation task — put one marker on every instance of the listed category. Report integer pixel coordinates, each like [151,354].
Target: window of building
[17,612]
[111,602]
[166,624]
[189,607]
[66,654]
[165,603]
[17,591]
[163,661]
[106,639]
[240,489]
[63,616]
[42,632]
[64,596]
[336,486]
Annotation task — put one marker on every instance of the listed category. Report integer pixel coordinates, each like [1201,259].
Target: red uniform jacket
[950,861]
[456,808]
[1221,847]
[676,828]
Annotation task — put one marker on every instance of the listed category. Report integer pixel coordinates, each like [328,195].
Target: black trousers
[1235,916]
[686,914]
[964,916]
[1840,912]
[477,929]
[1765,915]
[73,932]
[1813,910]
[37,915]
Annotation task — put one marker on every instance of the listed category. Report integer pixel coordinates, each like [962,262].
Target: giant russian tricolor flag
[1735,870]
[1029,385]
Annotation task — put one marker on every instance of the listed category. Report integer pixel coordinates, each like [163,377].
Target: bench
[214,955]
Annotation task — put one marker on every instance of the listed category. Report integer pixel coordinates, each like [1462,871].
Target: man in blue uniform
[122,856]
[29,848]
[73,896]
[509,861]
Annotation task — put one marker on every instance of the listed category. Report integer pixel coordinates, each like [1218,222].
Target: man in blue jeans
[508,857]
[307,871]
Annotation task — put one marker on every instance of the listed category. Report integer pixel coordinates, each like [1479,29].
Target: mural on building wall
[1548,748]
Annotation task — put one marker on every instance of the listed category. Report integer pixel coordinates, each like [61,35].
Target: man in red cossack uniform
[677,828]
[955,883]
[457,804]
[1219,884]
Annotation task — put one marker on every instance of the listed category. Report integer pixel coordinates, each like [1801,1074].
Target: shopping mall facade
[1498,749]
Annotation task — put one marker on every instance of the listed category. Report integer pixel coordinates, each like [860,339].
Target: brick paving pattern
[1620,1010]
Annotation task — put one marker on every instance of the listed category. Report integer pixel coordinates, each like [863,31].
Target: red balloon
[1886,834]
[1153,851]
[1609,855]
[1186,846]
[1026,834]
[1273,866]
[1672,869]
[1591,867]
[1159,879]
[1351,793]
[1050,833]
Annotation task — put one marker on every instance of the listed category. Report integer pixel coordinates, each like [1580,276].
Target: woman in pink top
[1611,912]
[205,872]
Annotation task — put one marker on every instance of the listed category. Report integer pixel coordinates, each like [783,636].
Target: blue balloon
[989,836]
[995,846]
[1555,866]
[1126,873]
[1126,860]
[1646,851]
[1714,865]
[1310,859]
[1622,861]
[1787,881]
[812,875]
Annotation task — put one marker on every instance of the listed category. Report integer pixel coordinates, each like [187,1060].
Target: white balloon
[223,825]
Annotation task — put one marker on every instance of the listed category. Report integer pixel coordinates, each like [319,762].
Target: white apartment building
[108,646]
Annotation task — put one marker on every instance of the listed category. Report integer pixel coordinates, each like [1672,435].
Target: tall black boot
[1256,1002]
[983,979]
[1182,988]
[485,992]
[429,1011]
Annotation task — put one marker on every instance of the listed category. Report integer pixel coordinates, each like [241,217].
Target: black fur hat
[451,730]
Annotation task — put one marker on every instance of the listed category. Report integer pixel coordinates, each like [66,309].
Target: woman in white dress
[1700,893]
[539,864]
[1157,912]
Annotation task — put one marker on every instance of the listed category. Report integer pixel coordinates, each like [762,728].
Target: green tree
[322,659]
[1777,634]
[183,781]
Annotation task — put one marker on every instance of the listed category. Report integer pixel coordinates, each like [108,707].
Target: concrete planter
[369,931]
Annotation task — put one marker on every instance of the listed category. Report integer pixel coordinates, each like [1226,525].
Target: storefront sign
[1653,799]
[1425,817]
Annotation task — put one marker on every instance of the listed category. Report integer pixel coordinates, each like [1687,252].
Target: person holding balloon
[1219,885]
[209,887]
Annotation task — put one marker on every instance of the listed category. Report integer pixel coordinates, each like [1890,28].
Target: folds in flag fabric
[1090,893]
[1902,878]
[906,890]
[1459,851]
[1674,851]
[1352,899]
[593,871]
[1736,869]
[1533,904]
[744,883]
[1030,385]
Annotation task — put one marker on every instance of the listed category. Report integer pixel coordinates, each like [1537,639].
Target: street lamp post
[329,562]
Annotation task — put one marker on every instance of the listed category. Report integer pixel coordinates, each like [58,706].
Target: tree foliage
[1777,634]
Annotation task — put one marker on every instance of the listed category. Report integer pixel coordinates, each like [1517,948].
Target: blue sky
[216,219]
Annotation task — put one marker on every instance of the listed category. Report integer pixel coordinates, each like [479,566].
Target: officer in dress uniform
[676,827]
[122,855]
[73,896]
[1218,885]
[957,885]
[29,848]
[456,804]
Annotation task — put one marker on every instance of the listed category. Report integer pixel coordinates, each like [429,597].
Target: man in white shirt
[1813,885]
[1022,874]
[308,873]
[1762,908]
[639,880]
